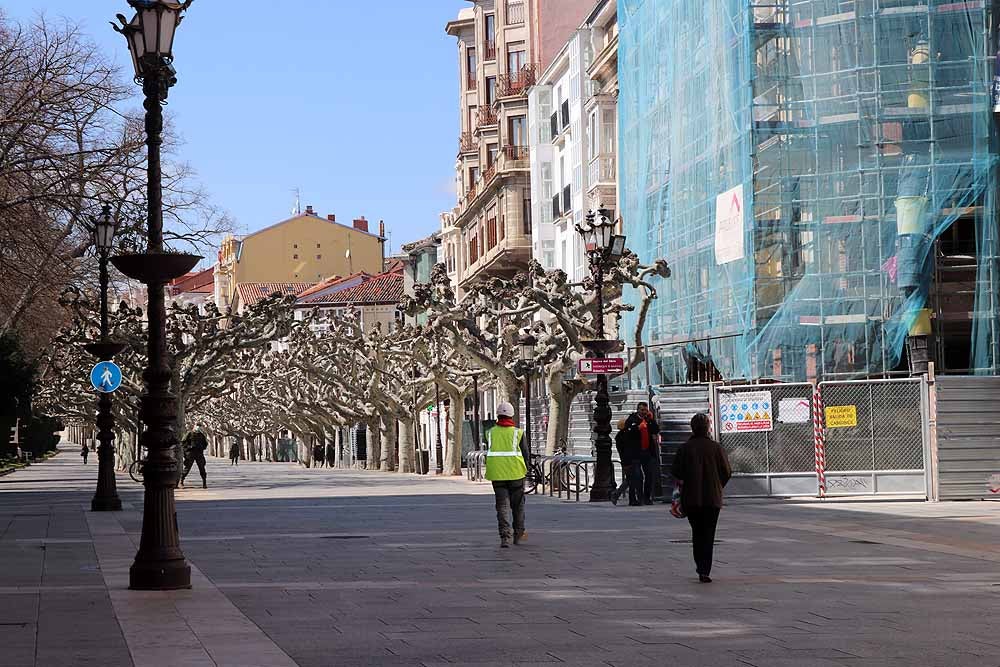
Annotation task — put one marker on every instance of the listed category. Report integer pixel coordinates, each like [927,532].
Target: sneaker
[520,537]
[704,578]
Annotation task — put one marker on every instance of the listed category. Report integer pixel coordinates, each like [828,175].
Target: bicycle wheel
[531,480]
[135,471]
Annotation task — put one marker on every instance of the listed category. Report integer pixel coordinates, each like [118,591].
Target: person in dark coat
[234,452]
[701,469]
[642,438]
[319,455]
[84,452]
[195,443]
[625,456]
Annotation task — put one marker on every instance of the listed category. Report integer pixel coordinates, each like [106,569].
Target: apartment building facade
[305,248]
[502,45]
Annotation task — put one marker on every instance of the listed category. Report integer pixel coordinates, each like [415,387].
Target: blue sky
[354,103]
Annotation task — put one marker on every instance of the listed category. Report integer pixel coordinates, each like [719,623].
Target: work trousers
[510,499]
[200,460]
[640,487]
[703,521]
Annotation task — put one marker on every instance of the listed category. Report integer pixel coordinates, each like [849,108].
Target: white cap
[505,409]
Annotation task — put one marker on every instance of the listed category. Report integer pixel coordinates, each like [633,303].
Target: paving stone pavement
[345,568]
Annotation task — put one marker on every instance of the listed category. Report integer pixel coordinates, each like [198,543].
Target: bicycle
[135,470]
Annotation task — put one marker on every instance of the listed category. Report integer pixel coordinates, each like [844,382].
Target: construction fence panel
[876,436]
[767,432]
[873,434]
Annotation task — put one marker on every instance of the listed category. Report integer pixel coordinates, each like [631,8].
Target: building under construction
[821,176]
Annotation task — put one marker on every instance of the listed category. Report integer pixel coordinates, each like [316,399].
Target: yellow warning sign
[841,416]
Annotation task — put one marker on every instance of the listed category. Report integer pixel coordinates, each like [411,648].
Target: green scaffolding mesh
[861,134]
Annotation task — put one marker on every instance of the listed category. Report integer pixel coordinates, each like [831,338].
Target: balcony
[515,12]
[488,175]
[471,83]
[470,195]
[517,83]
[516,153]
[467,143]
[490,50]
[485,117]
[602,171]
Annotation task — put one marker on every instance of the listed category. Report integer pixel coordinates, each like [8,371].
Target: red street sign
[613,366]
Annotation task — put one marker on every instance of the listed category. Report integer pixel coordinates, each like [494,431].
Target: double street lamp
[604,248]
[106,496]
[159,563]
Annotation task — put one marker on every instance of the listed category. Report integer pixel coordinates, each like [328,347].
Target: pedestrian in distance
[318,455]
[506,457]
[625,456]
[195,443]
[234,452]
[84,452]
[701,470]
[642,438]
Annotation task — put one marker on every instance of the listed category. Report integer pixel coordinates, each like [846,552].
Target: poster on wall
[744,412]
[729,226]
[794,410]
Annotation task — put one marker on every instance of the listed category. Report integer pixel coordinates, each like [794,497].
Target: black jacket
[633,439]
[701,463]
[195,443]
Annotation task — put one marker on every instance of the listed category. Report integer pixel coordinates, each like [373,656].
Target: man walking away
[701,468]
[84,452]
[234,452]
[195,443]
[642,437]
[506,468]
[625,456]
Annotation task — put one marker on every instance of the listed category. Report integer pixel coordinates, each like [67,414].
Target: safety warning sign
[745,411]
[841,416]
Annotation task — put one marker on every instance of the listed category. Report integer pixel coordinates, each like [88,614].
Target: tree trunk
[374,445]
[453,455]
[387,434]
[406,442]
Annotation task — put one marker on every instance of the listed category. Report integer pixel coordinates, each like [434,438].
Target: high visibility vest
[503,458]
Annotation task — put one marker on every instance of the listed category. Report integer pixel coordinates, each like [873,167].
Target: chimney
[309,210]
[361,224]
[331,218]
[381,228]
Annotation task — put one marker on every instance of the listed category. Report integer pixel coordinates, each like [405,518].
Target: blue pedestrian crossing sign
[106,377]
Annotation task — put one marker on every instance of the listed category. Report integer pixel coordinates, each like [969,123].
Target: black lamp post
[526,348]
[438,448]
[159,563]
[106,497]
[603,247]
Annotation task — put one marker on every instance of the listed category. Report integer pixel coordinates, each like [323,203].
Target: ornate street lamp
[106,496]
[603,248]
[438,448]
[526,350]
[159,563]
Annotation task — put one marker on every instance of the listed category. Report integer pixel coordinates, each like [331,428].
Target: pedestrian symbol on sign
[106,377]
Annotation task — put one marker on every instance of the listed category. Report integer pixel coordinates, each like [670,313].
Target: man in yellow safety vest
[506,468]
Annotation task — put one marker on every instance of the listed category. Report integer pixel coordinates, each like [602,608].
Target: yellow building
[303,249]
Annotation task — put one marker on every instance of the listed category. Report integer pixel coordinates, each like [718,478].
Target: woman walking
[701,469]
[234,453]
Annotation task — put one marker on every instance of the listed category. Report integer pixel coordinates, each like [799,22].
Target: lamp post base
[154,575]
[106,504]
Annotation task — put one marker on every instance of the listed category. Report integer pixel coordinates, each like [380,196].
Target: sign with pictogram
[841,416]
[106,377]
[610,366]
[748,411]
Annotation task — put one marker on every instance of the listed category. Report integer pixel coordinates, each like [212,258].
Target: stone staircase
[675,405]
[581,418]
